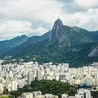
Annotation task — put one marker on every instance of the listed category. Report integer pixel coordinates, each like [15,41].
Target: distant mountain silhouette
[9,44]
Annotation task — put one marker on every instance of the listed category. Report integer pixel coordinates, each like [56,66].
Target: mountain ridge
[30,41]
[6,45]
[65,45]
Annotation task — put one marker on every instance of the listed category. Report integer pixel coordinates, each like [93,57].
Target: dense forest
[52,87]
[47,86]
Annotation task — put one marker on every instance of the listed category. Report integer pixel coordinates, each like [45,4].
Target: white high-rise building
[27,95]
[64,95]
[79,71]
[14,85]
[1,88]
[66,66]
[31,77]
[40,96]
[86,93]
[50,96]
[39,75]
[35,93]
[72,71]
[10,74]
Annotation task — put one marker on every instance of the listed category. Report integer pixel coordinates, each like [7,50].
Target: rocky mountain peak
[57,24]
[94,53]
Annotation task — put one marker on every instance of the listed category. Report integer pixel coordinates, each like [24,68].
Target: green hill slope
[65,45]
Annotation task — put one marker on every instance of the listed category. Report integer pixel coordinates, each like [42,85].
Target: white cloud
[35,17]
[87,19]
[31,9]
[13,28]
[87,3]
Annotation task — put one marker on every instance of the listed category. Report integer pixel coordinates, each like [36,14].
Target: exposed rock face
[65,34]
[58,23]
[94,53]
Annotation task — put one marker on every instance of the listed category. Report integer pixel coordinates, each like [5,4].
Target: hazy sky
[35,17]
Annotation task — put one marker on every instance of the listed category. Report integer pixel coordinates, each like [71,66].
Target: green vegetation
[4,96]
[71,47]
[75,54]
[47,86]
[10,44]
[94,94]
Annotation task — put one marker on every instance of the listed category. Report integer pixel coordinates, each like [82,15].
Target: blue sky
[35,17]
